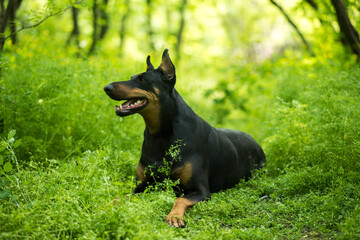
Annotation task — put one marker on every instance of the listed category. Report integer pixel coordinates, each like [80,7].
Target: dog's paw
[175,221]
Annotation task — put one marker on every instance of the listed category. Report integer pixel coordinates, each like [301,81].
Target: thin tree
[104,24]
[307,45]
[348,32]
[76,31]
[123,26]
[149,26]
[4,19]
[5,16]
[95,28]
[99,10]
[12,18]
[313,4]
[181,29]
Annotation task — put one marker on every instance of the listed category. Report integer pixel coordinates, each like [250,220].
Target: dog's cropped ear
[167,66]
[148,63]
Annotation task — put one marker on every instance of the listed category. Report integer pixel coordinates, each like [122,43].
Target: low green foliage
[7,152]
[68,163]
[57,104]
[321,127]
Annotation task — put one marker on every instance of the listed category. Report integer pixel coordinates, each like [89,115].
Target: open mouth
[131,106]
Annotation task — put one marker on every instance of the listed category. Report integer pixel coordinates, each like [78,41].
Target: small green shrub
[8,157]
[320,128]
[58,107]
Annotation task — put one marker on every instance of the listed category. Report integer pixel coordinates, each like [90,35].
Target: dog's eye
[142,79]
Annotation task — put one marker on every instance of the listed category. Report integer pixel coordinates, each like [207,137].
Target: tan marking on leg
[176,216]
[184,173]
[140,174]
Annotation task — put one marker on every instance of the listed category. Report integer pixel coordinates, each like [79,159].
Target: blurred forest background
[286,72]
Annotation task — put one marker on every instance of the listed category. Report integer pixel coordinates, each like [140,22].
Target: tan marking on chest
[151,113]
[184,173]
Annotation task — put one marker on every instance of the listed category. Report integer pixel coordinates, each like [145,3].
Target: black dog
[209,159]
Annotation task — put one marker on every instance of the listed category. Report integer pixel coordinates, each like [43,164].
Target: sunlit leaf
[17,143]
[11,134]
[3,146]
[7,167]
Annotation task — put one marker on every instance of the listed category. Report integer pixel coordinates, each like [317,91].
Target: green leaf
[17,143]
[1,160]
[11,134]
[4,194]
[7,167]
[3,146]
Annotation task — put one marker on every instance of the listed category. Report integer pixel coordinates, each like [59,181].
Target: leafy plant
[8,157]
[69,113]
[174,153]
[164,170]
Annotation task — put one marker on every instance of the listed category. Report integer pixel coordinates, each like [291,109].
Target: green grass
[73,170]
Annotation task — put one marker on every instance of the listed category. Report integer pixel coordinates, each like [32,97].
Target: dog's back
[227,155]
[231,156]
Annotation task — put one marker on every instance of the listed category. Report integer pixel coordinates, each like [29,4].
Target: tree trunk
[181,29]
[347,30]
[313,4]
[3,22]
[294,26]
[12,21]
[2,25]
[76,31]
[99,11]
[123,26]
[104,19]
[149,26]
[4,19]
[95,28]
[168,13]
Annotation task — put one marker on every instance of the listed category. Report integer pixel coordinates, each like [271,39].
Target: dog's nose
[109,88]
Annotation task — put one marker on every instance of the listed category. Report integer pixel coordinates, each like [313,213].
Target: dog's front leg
[141,176]
[140,187]
[176,215]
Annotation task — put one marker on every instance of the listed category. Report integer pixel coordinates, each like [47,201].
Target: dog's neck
[160,118]
[152,119]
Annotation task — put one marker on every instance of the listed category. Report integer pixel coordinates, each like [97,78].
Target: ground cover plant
[310,187]
[67,163]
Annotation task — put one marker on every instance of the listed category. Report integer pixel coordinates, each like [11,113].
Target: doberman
[210,159]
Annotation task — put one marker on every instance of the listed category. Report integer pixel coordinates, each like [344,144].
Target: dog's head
[144,91]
